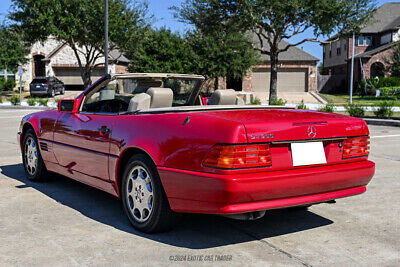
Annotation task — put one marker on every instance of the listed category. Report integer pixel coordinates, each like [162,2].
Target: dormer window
[363,40]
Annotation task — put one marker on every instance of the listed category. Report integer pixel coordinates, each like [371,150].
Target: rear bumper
[189,191]
[39,91]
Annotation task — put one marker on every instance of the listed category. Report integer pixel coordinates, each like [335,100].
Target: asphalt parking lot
[63,222]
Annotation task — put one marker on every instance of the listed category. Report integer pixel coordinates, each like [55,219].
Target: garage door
[72,76]
[289,80]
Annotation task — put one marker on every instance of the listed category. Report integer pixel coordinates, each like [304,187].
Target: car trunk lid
[277,125]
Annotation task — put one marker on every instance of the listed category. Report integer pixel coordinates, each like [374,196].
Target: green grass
[342,99]
[371,114]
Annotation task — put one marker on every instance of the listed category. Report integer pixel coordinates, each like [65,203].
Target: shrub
[278,102]
[385,110]
[14,99]
[390,91]
[379,83]
[1,99]
[43,102]
[6,85]
[327,108]
[255,101]
[31,101]
[355,110]
[301,105]
[388,82]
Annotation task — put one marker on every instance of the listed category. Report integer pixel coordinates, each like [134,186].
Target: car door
[82,139]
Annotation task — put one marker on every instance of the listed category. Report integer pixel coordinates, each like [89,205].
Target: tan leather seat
[139,102]
[223,97]
[160,97]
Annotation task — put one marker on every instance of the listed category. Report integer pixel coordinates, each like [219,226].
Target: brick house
[54,58]
[372,46]
[297,73]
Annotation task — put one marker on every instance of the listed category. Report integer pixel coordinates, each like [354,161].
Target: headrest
[223,97]
[160,97]
[139,102]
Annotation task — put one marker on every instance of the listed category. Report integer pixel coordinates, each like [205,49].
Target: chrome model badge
[262,136]
[311,132]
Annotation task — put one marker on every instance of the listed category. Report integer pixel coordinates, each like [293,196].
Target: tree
[13,50]
[221,54]
[394,61]
[80,24]
[271,21]
[212,55]
[161,51]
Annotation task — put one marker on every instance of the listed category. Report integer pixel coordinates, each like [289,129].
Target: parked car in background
[49,86]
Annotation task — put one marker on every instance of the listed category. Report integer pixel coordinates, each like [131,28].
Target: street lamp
[106,37]
[352,72]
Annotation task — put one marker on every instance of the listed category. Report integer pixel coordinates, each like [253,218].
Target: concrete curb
[382,122]
[25,108]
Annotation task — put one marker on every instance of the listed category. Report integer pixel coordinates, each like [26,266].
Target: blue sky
[163,17]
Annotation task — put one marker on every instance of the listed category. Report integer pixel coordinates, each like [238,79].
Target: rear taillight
[238,156]
[356,147]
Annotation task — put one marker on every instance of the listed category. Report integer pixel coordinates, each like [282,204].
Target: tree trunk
[216,84]
[273,93]
[87,79]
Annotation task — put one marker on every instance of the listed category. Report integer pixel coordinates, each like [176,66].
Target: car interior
[138,94]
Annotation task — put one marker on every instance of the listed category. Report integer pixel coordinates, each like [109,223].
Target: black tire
[161,217]
[62,90]
[40,173]
[52,93]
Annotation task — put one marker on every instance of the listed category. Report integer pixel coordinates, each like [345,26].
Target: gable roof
[370,53]
[292,54]
[113,55]
[385,18]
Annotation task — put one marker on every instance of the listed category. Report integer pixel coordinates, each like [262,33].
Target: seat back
[160,97]
[223,97]
[139,102]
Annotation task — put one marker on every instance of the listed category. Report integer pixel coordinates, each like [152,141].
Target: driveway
[63,222]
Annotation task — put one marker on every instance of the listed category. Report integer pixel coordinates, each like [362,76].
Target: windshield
[182,88]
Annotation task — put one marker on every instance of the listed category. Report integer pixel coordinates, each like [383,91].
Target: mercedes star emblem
[311,131]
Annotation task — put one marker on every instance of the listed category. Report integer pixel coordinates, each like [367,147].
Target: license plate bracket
[308,153]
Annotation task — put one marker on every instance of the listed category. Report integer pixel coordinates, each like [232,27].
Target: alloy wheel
[139,194]
[31,156]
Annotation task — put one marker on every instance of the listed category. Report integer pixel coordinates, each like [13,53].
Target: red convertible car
[151,140]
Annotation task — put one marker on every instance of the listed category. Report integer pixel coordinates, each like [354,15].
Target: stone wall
[65,57]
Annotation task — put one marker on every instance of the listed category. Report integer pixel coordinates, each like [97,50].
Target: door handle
[104,130]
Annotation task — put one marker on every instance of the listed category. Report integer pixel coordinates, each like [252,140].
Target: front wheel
[34,167]
[52,93]
[62,90]
[143,198]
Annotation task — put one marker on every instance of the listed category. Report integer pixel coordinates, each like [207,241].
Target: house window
[364,40]
[345,47]
[338,52]
[330,53]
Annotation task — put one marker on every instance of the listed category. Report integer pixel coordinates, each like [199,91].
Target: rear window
[39,81]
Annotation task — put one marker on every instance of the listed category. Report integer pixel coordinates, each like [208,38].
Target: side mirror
[68,105]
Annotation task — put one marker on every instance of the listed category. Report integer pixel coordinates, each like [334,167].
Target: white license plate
[37,86]
[308,153]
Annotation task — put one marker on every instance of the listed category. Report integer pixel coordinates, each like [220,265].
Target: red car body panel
[74,147]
